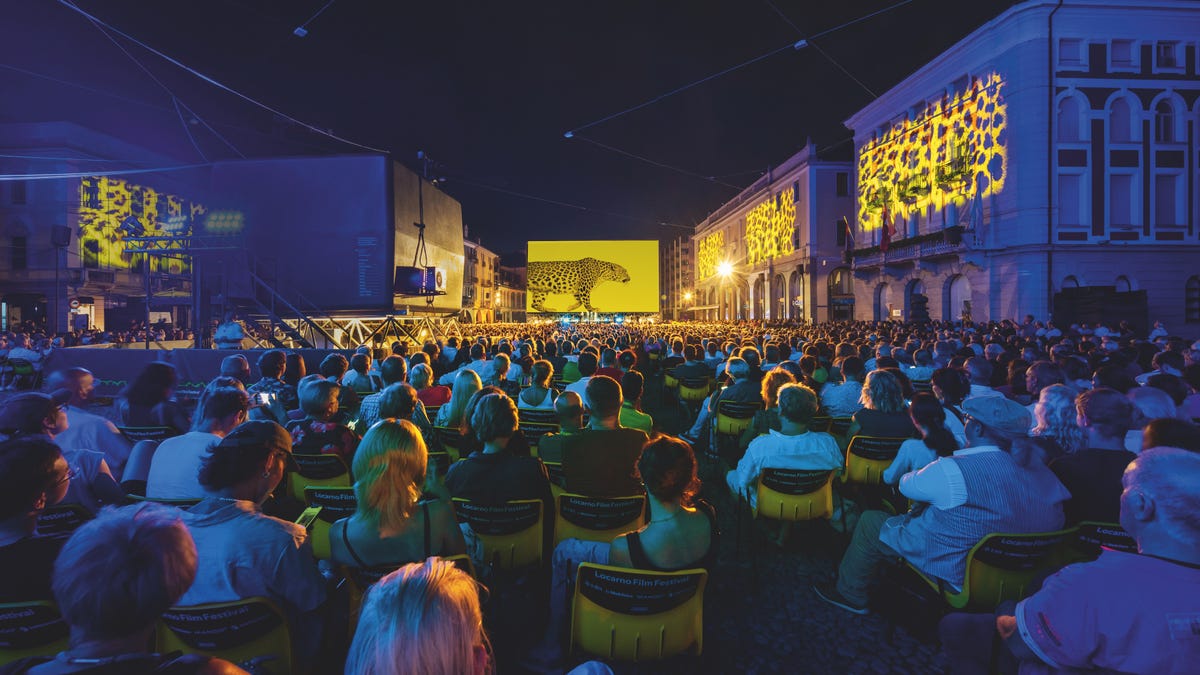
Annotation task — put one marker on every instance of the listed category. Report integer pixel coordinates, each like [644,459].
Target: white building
[676,278]
[770,253]
[1045,163]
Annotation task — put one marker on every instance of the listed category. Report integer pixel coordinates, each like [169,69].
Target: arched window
[1164,122]
[1191,306]
[1123,285]
[1120,122]
[1069,127]
[1070,282]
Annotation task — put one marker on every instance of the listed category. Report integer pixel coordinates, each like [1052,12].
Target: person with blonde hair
[538,395]
[768,419]
[319,433]
[1055,429]
[390,480]
[421,378]
[884,413]
[466,383]
[422,618]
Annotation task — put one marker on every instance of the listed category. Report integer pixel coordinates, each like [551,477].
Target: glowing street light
[687,297]
[725,269]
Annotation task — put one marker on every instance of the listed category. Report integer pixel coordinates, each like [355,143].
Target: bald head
[1162,493]
[569,408]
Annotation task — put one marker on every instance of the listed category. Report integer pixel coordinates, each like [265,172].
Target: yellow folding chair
[511,532]
[732,419]
[62,519]
[317,471]
[452,441]
[1090,537]
[669,379]
[336,503]
[787,495]
[597,518]
[528,415]
[838,426]
[636,615]
[253,629]
[867,457]
[31,629]
[693,391]
[535,430]
[1001,567]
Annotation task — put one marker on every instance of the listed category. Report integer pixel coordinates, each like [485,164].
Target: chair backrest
[452,440]
[61,520]
[733,417]
[317,471]
[22,367]
[793,494]
[838,426]
[336,503]
[237,631]
[431,411]
[922,386]
[440,460]
[597,518]
[555,469]
[525,415]
[534,431]
[637,615]
[1089,537]
[31,629]
[867,457]
[135,434]
[669,379]
[1002,566]
[820,423]
[511,532]
[694,389]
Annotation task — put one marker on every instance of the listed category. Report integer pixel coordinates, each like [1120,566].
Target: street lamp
[725,269]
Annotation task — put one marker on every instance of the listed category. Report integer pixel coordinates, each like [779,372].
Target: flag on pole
[885,238]
[845,225]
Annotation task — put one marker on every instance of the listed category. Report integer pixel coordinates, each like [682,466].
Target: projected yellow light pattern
[709,254]
[942,156]
[769,228]
[111,209]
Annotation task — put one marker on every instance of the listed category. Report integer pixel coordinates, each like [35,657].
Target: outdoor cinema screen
[599,276]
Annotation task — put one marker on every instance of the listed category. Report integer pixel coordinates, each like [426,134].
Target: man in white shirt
[843,400]
[478,363]
[980,370]
[175,467]
[587,368]
[86,431]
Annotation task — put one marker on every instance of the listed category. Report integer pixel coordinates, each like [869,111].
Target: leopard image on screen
[571,277]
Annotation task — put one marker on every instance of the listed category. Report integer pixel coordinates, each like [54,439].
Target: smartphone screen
[307,518]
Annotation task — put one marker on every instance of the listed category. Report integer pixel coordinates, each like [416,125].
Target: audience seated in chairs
[767,419]
[33,476]
[845,398]
[496,375]
[392,370]
[283,396]
[391,477]
[632,416]
[1056,430]
[929,417]
[243,553]
[538,395]
[319,433]
[466,383]
[600,461]
[1093,474]
[149,401]
[113,579]
[176,462]
[692,367]
[743,389]
[568,408]
[998,483]
[951,386]
[421,378]
[883,414]
[33,414]
[1119,613]
[333,367]
[86,431]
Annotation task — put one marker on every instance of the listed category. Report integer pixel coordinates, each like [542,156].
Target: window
[1191,301]
[89,250]
[843,184]
[1166,199]
[18,192]
[1120,200]
[840,228]
[1166,55]
[1121,54]
[1164,122]
[1069,120]
[20,253]
[1070,212]
[1070,52]
[1120,122]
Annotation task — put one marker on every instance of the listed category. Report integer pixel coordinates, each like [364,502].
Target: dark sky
[487,89]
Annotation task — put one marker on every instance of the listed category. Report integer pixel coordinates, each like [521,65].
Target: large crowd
[1004,427]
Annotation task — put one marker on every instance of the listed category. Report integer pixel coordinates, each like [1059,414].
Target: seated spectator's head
[1171,363]
[1113,376]
[334,366]
[737,368]
[422,618]
[1174,386]
[752,357]
[1160,504]
[393,369]
[318,397]
[797,403]
[33,476]
[853,368]
[1042,374]
[569,409]
[498,368]
[667,467]
[153,385]
[541,373]
[980,370]
[882,391]
[472,404]
[477,352]
[929,417]
[631,386]
[951,385]
[771,382]
[80,382]
[249,461]
[1149,404]
[359,363]
[237,366]
[995,420]
[397,400]
[1104,413]
[494,418]
[419,358]
[117,574]
[295,370]
[1171,432]
[272,364]
[1055,417]
[221,408]
[421,376]
[587,364]
[626,360]
[923,358]
[389,470]
[33,412]
[604,397]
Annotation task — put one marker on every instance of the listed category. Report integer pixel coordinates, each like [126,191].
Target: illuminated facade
[1053,149]
[482,296]
[676,274]
[768,253]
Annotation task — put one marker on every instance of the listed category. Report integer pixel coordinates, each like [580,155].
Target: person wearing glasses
[36,414]
[998,483]
[33,476]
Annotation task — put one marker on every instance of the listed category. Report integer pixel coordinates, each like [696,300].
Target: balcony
[925,247]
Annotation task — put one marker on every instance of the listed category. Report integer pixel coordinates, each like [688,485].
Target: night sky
[487,90]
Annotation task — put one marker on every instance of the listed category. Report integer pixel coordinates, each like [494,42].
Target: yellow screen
[601,276]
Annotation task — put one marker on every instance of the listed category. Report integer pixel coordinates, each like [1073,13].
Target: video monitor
[592,276]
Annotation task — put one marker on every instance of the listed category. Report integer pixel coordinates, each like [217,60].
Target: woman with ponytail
[936,440]
[391,525]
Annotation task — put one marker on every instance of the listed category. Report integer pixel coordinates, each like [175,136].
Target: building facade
[481,276]
[676,281]
[511,294]
[771,252]
[1049,156]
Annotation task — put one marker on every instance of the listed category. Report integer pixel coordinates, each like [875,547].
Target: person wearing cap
[244,553]
[37,414]
[998,483]
[33,476]
[85,430]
